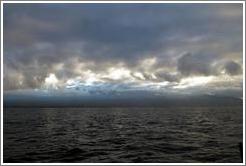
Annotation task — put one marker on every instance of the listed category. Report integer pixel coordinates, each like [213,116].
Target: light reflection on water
[122,135]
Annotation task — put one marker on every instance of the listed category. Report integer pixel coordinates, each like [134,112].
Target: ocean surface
[132,135]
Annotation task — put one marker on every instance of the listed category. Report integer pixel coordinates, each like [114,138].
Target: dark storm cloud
[233,68]
[192,64]
[124,29]
[40,37]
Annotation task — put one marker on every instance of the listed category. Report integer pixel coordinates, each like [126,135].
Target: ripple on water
[122,135]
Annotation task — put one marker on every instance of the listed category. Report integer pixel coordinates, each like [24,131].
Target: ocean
[123,135]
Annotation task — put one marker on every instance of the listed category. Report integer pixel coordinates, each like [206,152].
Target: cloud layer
[57,45]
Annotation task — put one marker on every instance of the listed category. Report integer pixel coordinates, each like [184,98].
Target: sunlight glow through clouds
[139,75]
[148,62]
[51,81]
[118,73]
[134,79]
[194,81]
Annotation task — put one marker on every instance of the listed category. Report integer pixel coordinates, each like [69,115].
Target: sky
[115,48]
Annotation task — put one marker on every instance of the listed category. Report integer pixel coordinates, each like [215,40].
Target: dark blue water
[143,135]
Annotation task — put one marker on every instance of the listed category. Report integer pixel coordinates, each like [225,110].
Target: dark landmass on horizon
[121,101]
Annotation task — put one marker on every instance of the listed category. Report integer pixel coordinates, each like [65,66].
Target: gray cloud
[192,64]
[169,77]
[233,68]
[69,39]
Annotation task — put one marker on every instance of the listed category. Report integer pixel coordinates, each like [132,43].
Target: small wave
[74,152]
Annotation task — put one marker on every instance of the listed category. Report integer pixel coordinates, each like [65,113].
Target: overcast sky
[191,48]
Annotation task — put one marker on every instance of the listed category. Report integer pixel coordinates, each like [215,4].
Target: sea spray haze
[122,82]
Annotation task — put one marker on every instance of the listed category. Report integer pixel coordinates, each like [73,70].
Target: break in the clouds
[196,48]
